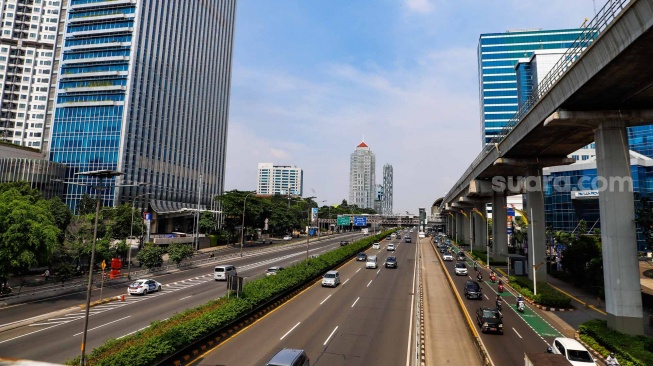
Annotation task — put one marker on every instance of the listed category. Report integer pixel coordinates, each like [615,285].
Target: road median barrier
[480,347]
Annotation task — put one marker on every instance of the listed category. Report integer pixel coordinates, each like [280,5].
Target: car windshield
[273,269]
[460,265]
[361,254]
[330,275]
[490,314]
[579,355]
[391,259]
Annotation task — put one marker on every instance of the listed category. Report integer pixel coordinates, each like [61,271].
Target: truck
[545,359]
[365,231]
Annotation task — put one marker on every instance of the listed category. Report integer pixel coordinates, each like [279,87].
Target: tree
[151,256]
[28,233]
[62,215]
[86,205]
[208,222]
[644,219]
[118,222]
[177,252]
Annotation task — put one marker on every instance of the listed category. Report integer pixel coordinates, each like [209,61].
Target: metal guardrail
[593,30]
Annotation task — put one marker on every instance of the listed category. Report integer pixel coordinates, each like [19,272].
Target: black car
[489,319]
[391,262]
[443,249]
[407,240]
[461,256]
[361,257]
[343,243]
[473,290]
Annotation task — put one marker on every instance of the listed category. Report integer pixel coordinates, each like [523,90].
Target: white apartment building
[280,179]
[28,36]
[362,186]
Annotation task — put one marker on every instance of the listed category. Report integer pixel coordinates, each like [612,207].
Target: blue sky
[312,77]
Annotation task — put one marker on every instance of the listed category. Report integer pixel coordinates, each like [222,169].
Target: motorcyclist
[479,276]
[611,360]
[498,302]
[475,266]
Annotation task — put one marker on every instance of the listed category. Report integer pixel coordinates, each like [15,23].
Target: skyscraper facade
[362,185]
[28,35]
[143,88]
[386,205]
[279,179]
[498,54]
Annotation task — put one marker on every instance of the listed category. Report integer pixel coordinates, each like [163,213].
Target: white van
[220,273]
[371,262]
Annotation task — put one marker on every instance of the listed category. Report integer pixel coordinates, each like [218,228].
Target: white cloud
[420,6]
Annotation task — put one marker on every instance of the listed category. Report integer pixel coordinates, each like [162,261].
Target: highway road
[364,321]
[59,337]
[527,332]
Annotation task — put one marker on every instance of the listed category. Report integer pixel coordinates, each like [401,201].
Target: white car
[376,246]
[143,286]
[447,257]
[421,234]
[391,247]
[272,271]
[573,351]
[287,237]
[331,279]
[461,269]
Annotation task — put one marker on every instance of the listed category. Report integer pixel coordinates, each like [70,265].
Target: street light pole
[131,235]
[242,228]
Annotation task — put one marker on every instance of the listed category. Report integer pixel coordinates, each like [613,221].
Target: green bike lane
[534,320]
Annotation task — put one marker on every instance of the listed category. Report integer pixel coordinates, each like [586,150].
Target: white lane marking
[486,296]
[412,308]
[133,332]
[347,280]
[291,329]
[184,298]
[26,334]
[327,298]
[377,272]
[352,305]
[368,285]
[358,270]
[517,333]
[103,325]
[330,335]
[294,261]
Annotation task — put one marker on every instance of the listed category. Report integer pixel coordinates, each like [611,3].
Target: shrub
[546,294]
[630,350]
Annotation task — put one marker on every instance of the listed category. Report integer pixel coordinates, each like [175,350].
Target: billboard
[360,221]
[313,214]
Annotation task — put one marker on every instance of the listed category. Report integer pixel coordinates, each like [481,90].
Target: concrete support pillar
[459,227]
[465,229]
[623,298]
[480,227]
[499,225]
[537,225]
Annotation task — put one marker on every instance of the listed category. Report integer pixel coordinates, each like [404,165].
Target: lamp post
[242,228]
[100,174]
[131,232]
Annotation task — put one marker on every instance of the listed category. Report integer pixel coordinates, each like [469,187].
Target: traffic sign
[103,265]
[360,221]
[343,220]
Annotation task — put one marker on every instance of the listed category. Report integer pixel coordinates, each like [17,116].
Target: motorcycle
[498,302]
[493,278]
[500,287]
[520,306]
[479,277]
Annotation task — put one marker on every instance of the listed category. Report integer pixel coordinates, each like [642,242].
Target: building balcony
[97,45]
[102,4]
[95,60]
[101,31]
[95,88]
[89,104]
[67,76]
[94,18]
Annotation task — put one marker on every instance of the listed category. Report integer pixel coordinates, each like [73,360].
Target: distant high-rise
[28,36]
[386,205]
[144,89]
[498,54]
[362,186]
[279,179]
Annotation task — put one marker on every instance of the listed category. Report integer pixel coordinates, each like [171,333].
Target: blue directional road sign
[360,221]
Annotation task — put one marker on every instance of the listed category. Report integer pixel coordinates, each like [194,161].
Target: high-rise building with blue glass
[143,88]
[498,54]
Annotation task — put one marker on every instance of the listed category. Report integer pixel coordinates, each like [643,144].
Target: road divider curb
[102,301]
[532,302]
[485,357]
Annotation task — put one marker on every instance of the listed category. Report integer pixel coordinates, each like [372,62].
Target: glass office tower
[498,54]
[143,89]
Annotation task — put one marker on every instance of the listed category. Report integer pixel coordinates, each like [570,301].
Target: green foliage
[630,350]
[119,220]
[582,260]
[28,233]
[208,222]
[61,214]
[64,272]
[151,256]
[86,205]
[152,344]
[546,294]
[177,252]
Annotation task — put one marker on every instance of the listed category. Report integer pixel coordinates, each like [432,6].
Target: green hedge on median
[163,338]
[630,350]
[546,295]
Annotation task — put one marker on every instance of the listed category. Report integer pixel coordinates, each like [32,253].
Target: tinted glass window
[219,269]
[577,355]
